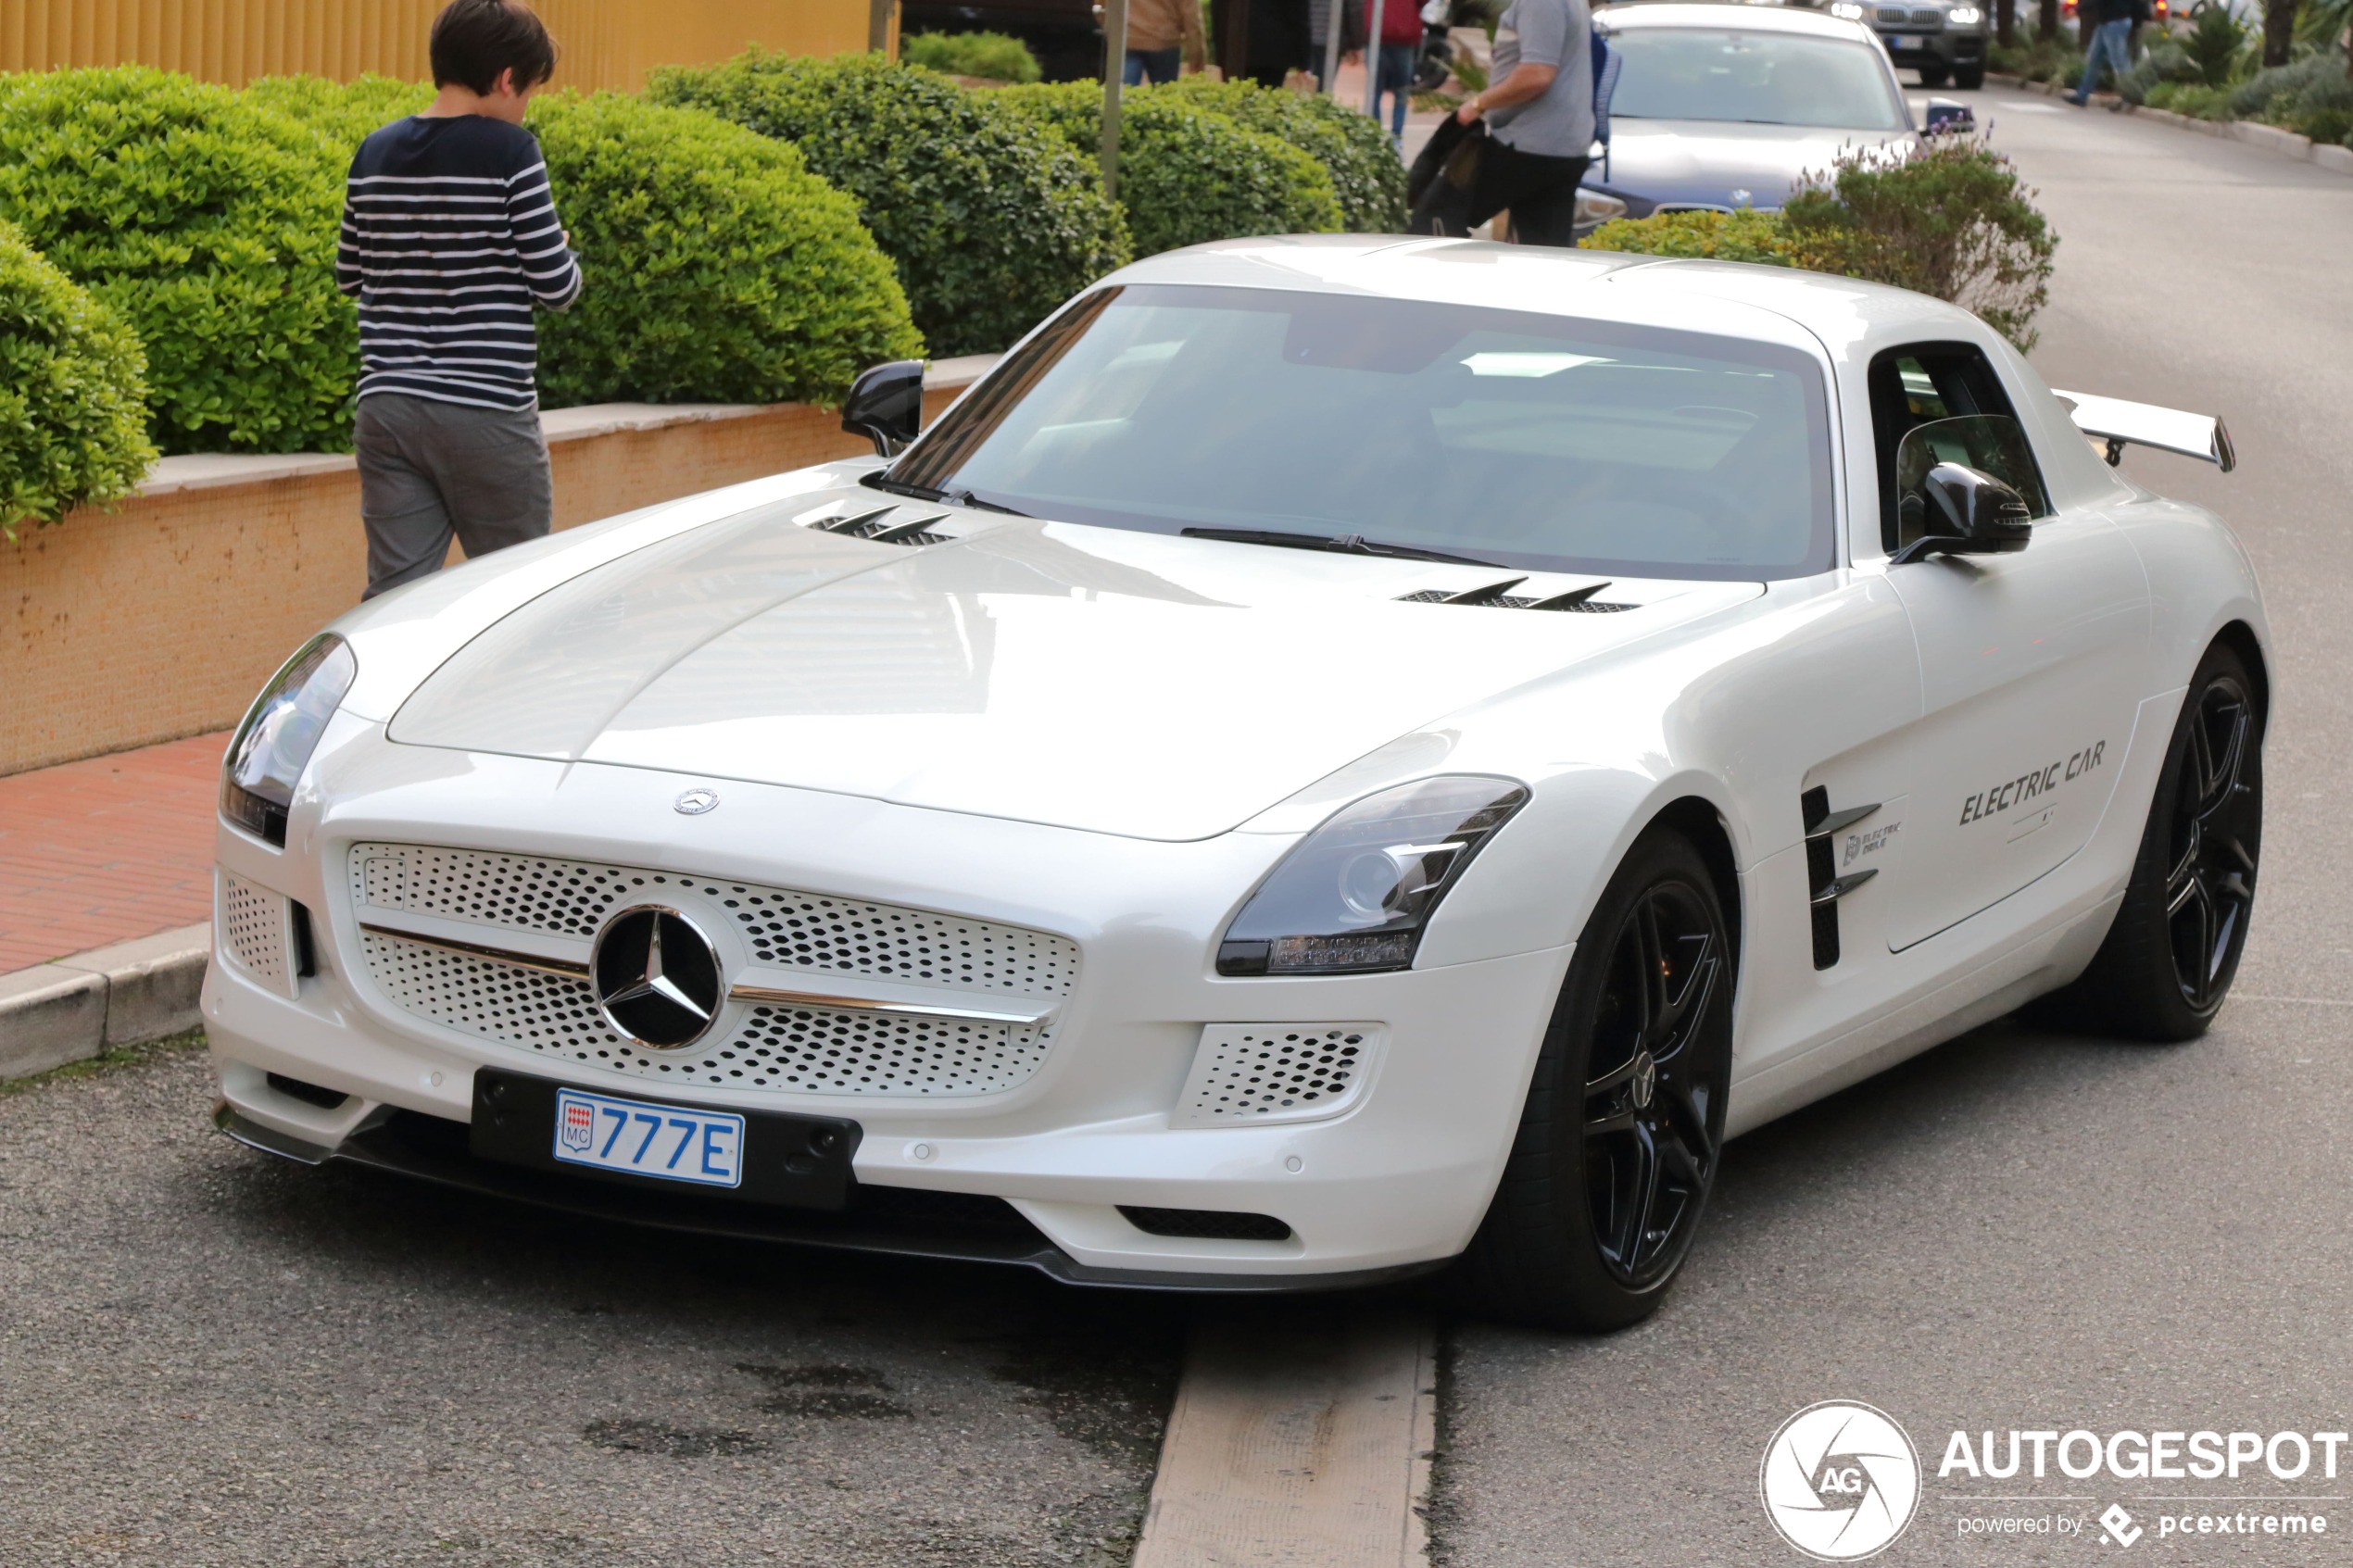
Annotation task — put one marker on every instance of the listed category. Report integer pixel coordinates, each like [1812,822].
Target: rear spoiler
[2118,422]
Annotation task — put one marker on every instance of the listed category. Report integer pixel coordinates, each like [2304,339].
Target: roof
[1771,304]
[1719,18]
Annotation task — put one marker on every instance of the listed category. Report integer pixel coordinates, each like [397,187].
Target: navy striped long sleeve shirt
[450,238]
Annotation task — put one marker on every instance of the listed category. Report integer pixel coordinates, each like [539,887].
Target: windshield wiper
[966,499]
[1343,544]
[875,481]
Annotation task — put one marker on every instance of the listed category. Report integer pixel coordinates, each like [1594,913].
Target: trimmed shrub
[73,394]
[2191,98]
[1715,236]
[1186,174]
[2270,94]
[729,271]
[1367,176]
[207,223]
[719,268]
[2038,59]
[991,221]
[1953,219]
[991,57]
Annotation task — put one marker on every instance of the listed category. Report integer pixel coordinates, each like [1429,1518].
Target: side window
[1947,401]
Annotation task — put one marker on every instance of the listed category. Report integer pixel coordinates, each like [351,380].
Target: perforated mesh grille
[1275,1072]
[787,1049]
[794,930]
[253,932]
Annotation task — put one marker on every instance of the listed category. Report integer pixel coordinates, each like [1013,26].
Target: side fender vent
[1825,886]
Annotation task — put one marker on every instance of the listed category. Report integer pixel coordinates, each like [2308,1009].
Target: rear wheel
[2169,959]
[1618,1143]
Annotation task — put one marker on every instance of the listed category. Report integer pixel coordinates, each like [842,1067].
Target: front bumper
[1397,1180]
[1951,49]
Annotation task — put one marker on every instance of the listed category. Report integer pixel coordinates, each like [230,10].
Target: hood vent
[874,524]
[1500,595]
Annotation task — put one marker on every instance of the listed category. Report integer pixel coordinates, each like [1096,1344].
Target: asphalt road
[2024,1230]
[209,1357]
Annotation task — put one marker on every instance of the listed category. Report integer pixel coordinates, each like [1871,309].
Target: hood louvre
[873,523]
[1492,594]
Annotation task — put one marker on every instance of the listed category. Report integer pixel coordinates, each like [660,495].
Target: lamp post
[1114,74]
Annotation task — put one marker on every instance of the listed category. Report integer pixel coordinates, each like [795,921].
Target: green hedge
[991,221]
[992,56]
[1367,176]
[719,268]
[208,224]
[1953,219]
[73,394]
[1187,174]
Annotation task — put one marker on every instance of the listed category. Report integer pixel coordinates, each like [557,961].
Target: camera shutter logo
[1840,1481]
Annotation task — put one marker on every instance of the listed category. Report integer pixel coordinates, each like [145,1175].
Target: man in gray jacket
[1539,109]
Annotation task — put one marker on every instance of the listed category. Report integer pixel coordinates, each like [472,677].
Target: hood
[1092,678]
[1708,162]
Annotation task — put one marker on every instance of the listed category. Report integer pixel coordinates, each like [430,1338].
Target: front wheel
[1624,1124]
[1932,75]
[2168,962]
[1968,79]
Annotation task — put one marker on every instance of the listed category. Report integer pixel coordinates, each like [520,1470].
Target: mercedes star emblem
[656,977]
[694,802]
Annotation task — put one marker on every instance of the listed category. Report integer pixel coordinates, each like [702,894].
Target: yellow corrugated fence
[605,42]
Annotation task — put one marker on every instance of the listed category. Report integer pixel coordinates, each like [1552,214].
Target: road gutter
[1303,1440]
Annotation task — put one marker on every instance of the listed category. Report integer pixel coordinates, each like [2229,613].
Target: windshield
[1518,439]
[1759,77]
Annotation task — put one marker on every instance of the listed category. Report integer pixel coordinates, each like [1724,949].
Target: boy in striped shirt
[449,241]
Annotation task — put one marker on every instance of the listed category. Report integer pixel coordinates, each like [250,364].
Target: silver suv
[1943,41]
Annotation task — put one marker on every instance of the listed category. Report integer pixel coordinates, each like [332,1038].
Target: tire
[2166,964]
[1968,79]
[1627,1096]
[1934,75]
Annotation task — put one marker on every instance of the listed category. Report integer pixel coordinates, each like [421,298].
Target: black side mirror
[885,405]
[1968,513]
[1948,115]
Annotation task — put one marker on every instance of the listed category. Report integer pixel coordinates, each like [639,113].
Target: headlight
[1964,16]
[280,732]
[1845,10]
[1354,895]
[1592,207]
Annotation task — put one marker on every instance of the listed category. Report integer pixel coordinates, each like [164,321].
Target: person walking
[449,240]
[1539,113]
[1161,36]
[2111,43]
[1399,50]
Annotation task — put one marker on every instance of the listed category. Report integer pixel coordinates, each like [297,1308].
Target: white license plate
[1902,44]
[673,1142]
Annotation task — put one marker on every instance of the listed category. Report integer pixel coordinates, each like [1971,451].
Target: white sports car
[1336,756]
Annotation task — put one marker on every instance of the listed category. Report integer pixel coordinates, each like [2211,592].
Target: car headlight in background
[1964,16]
[1594,207]
[1845,10]
[281,731]
[1354,895]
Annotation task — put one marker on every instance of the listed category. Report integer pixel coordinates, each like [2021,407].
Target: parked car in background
[1725,106]
[1943,40]
[1066,36]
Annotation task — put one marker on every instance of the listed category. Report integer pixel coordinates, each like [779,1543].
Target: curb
[2270,138]
[73,1008]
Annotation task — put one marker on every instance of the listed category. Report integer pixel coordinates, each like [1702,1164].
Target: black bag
[1444,178]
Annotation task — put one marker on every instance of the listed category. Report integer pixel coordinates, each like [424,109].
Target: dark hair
[473,41]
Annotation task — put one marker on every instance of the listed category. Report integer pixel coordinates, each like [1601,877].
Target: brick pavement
[106,849]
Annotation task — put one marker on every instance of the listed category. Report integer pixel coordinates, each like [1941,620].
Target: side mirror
[1947,114]
[885,405]
[1968,513]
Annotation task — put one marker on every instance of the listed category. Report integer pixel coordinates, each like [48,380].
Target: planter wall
[162,618]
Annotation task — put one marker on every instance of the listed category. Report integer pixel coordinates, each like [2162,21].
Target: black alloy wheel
[2218,813]
[2168,962]
[1623,1129]
[1652,1113]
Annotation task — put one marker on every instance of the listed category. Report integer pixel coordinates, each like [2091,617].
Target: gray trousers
[431,471]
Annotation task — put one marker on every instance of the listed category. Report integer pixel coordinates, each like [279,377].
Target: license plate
[674,1142]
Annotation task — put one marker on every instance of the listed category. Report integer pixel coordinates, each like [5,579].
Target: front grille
[788,1050]
[1208,1224]
[1927,17]
[1895,15]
